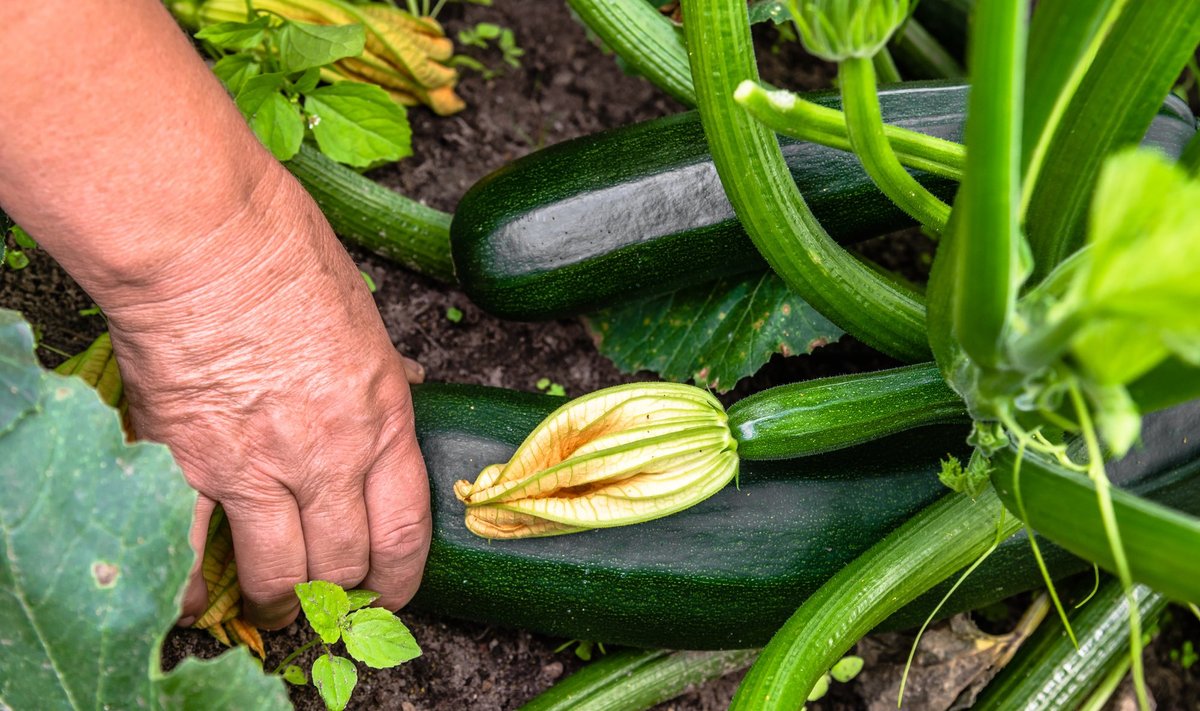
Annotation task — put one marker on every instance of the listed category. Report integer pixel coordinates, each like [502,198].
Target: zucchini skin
[816,416]
[737,565]
[639,210]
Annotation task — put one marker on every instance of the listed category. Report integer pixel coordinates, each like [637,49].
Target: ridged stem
[374,217]
[638,679]
[928,548]
[790,115]
[644,39]
[988,232]
[864,124]
[868,305]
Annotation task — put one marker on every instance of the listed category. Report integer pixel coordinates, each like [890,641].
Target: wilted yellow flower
[404,53]
[618,456]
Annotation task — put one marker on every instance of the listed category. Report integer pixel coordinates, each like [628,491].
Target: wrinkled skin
[247,339]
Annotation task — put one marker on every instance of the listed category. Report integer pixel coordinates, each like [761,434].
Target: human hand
[262,362]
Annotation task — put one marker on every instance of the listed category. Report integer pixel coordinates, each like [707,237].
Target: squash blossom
[618,456]
[835,30]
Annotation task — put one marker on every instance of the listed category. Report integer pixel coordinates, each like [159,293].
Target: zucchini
[639,210]
[815,416]
[738,564]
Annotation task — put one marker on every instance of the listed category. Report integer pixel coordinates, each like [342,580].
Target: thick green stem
[787,114]
[374,217]
[644,39]
[922,54]
[988,231]
[864,123]
[868,305]
[885,67]
[638,679]
[1049,672]
[952,533]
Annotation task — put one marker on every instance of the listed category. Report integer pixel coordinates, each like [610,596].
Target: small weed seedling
[479,36]
[453,315]
[14,257]
[551,388]
[371,635]
[584,649]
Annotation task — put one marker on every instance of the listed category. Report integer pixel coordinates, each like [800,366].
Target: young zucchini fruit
[815,416]
[640,210]
[736,566]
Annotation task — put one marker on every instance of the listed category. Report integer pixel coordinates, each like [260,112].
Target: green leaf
[256,90]
[379,639]
[235,36]
[278,125]
[361,598]
[233,681]
[22,238]
[715,334]
[358,124]
[94,555]
[324,605]
[16,259]
[1140,279]
[234,70]
[295,676]
[308,80]
[302,46]
[19,372]
[335,677]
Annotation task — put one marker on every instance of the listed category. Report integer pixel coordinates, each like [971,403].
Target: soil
[566,86]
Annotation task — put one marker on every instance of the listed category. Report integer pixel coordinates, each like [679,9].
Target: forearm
[122,154]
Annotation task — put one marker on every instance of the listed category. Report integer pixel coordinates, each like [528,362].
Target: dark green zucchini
[728,572]
[639,210]
[815,416]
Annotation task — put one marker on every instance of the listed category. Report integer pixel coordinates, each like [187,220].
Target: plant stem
[988,232]
[864,124]
[296,653]
[370,215]
[787,114]
[875,309]
[917,48]
[885,67]
[948,535]
[643,38]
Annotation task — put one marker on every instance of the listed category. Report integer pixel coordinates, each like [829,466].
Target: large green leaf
[93,555]
[715,334]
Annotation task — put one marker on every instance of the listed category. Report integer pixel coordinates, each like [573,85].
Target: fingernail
[186,621]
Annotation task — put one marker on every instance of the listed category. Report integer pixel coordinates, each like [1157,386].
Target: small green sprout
[370,282]
[371,635]
[551,388]
[454,315]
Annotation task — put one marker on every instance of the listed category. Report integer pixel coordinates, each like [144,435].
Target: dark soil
[566,87]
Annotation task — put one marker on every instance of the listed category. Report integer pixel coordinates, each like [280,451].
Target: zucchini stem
[643,38]
[787,114]
[868,305]
[864,125]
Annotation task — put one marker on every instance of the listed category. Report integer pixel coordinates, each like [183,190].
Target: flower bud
[618,456]
[835,30]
